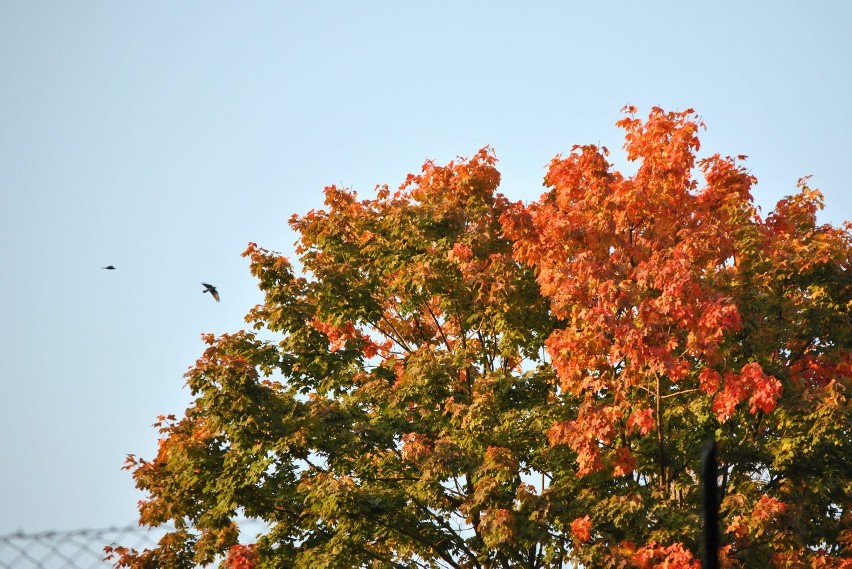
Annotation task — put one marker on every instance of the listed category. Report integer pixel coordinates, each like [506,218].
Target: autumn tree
[683,314]
[449,379]
[389,407]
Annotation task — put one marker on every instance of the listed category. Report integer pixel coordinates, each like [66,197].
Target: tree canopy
[450,379]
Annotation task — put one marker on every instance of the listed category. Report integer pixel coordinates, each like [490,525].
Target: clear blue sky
[162,137]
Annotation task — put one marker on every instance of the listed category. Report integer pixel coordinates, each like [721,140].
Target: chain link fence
[84,548]
[75,549]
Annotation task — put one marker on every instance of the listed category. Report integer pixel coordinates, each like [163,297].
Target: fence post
[710,505]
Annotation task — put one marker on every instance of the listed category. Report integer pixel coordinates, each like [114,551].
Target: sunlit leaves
[446,379]
[396,409]
[683,313]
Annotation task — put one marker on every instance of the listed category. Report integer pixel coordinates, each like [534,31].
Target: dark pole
[710,505]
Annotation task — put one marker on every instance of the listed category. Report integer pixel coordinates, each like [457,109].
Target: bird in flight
[109,268]
[212,290]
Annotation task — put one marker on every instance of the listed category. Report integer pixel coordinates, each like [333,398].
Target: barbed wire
[77,549]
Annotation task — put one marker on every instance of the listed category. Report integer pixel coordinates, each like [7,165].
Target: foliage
[397,416]
[458,381]
[684,314]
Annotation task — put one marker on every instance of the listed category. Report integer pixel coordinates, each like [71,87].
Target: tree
[683,314]
[395,412]
[455,380]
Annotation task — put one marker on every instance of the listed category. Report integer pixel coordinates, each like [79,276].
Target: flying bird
[109,268]
[212,290]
